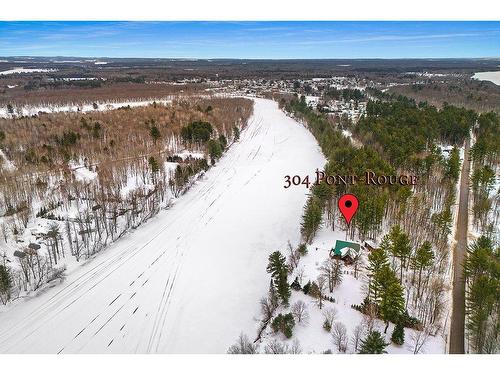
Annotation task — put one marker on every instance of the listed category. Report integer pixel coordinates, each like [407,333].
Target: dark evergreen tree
[307,287]
[5,284]
[296,285]
[400,247]
[311,219]
[376,260]
[374,343]
[392,302]
[482,270]
[236,133]
[453,165]
[284,323]
[421,261]
[155,133]
[223,141]
[279,271]
[398,335]
[214,150]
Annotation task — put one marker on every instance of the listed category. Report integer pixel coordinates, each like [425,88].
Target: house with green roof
[345,250]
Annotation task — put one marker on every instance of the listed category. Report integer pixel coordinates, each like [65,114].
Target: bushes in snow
[243,346]
[284,324]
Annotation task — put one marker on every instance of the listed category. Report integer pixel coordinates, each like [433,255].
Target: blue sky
[275,40]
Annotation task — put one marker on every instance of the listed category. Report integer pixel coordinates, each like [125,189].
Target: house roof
[343,248]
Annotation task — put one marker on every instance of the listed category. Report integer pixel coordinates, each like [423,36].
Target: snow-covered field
[190,279]
[83,108]
[488,76]
[25,70]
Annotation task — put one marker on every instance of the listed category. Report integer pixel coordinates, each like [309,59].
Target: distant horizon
[243,58]
[249,40]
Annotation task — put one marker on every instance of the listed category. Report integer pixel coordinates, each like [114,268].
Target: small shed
[370,246]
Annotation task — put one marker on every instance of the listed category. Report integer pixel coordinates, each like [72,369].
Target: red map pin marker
[348,205]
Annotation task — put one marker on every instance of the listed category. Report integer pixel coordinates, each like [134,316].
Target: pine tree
[398,335]
[223,141]
[236,133]
[391,295]
[311,219]
[422,260]
[481,271]
[376,260]
[5,284]
[155,167]
[307,287]
[214,150]
[278,269]
[296,285]
[155,133]
[400,247]
[373,344]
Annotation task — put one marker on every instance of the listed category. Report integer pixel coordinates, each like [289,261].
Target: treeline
[346,94]
[402,131]
[486,158]
[431,198]
[482,274]
[36,84]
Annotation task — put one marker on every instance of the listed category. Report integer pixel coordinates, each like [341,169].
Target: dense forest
[396,137]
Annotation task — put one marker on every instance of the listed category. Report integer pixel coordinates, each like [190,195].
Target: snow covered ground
[83,108]
[311,335]
[25,70]
[190,279]
[488,76]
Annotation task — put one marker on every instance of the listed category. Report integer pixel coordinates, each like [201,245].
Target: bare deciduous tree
[293,257]
[322,287]
[243,346]
[339,335]
[369,317]
[419,338]
[329,314]
[331,270]
[356,337]
[299,312]
[277,347]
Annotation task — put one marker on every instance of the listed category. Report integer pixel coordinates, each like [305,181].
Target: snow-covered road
[190,279]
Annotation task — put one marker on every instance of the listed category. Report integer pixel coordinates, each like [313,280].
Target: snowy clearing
[83,108]
[190,279]
[25,70]
[488,76]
